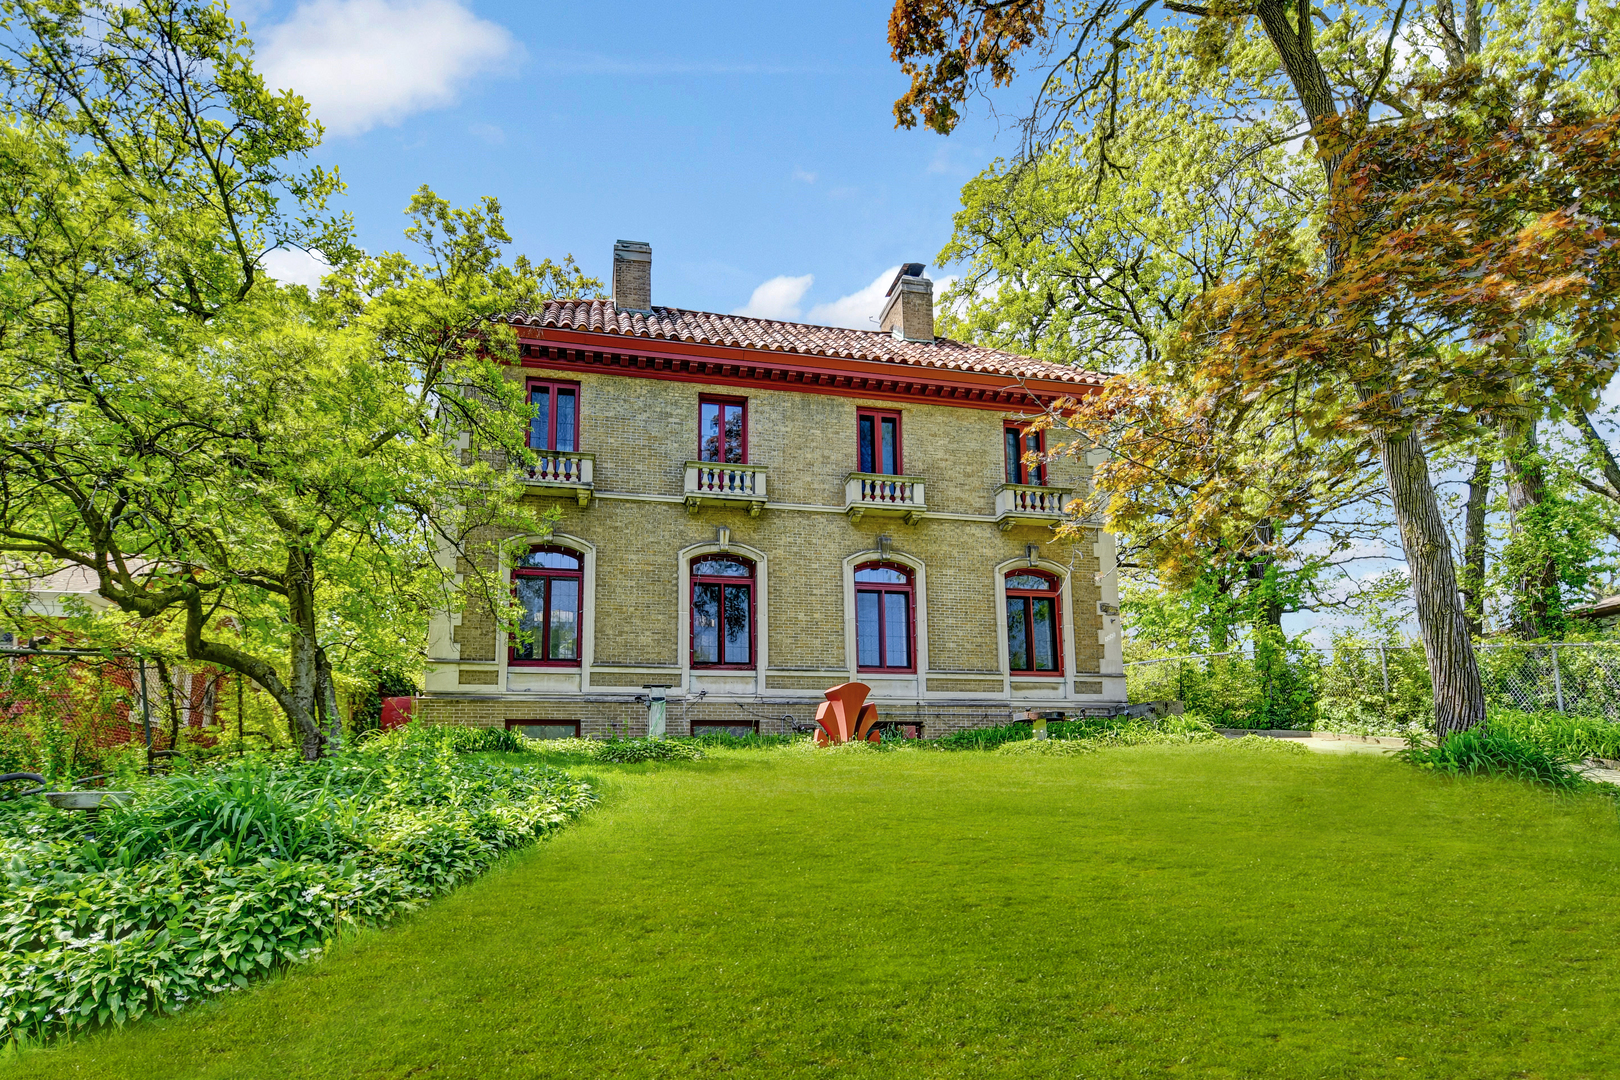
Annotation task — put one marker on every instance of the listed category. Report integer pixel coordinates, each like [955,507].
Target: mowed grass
[1178,911]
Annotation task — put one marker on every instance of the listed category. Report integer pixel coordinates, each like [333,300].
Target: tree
[282,476]
[1335,67]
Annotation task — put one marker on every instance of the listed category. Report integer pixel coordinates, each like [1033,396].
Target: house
[753,511]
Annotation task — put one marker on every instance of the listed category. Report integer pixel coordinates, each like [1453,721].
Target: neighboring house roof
[738,331]
[1609,605]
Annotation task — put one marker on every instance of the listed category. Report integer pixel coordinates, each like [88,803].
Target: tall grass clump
[213,878]
[1489,751]
[1574,737]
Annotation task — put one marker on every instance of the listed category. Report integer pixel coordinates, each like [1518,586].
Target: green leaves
[238,871]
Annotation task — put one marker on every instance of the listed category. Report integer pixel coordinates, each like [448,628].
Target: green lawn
[1183,911]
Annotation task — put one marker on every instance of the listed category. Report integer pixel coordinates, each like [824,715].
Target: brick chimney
[632,275]
[909,313]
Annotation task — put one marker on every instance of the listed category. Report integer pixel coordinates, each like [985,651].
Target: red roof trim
[834,376]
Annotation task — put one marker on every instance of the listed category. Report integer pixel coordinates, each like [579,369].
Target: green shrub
[1491,752]
[630,751]
[214,878]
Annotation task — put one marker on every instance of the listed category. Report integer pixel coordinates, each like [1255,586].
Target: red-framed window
[1017,444]
[722,612]
[1034,624]
[885,617]
[556,417]
[548,582]
[723,430]
[877,438]
[545,729]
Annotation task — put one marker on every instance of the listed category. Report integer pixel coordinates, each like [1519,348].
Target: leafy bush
[1352,698]
[467,740]
[215,878]
[1491,752]
[630,751]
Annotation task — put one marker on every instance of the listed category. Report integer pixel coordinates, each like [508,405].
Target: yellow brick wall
[642,430]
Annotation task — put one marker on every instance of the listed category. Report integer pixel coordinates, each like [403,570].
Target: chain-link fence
[1359,687]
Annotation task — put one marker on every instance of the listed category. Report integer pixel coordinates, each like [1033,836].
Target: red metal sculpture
[846,715]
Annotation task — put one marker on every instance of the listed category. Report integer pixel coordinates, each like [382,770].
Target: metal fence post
[146,716]
[1383,666]
[1558,680]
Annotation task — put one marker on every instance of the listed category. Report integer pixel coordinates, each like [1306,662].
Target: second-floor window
[556,417]
[723,430]
[878,434]
[1018,445]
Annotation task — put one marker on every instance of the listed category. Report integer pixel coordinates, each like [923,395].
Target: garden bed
[216,877]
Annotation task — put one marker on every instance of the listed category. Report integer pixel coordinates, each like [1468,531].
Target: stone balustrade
[710,483]
[1030,504]
[563,473]
[882,495]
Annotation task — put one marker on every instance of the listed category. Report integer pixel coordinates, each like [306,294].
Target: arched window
[722,611]
[548,583]
[884,637]
[1033,620]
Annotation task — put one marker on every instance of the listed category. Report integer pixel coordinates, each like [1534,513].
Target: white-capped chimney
[632,275]
[909,312]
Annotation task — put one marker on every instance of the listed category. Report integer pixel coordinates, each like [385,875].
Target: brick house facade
[753,511]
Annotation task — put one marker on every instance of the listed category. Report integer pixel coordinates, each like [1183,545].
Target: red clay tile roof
[708,328]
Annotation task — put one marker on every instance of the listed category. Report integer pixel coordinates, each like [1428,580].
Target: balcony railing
[1030,504]
[712,484]
[884,496]
[563,474]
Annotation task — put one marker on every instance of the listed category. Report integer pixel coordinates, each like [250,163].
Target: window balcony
[709,483]
[882,495]
[1030,504]
[558,473]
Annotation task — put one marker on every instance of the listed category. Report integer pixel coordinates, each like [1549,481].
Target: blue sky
[751,144]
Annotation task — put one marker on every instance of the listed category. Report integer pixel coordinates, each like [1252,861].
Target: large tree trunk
[1526,490]
[303,678]
[1473,588]
[1459,699]
[331,719]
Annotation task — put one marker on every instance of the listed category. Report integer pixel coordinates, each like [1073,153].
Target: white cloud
[360,63]
[804,175]
[778,298]
[294,266]
[859,310]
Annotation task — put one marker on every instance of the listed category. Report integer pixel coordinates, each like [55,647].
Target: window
[1018,444]
[737,729]
[548,585]
[1032,623]
[723,430]
[545,729]
[556,418]
[879,437]
[883,610]
[722,611]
